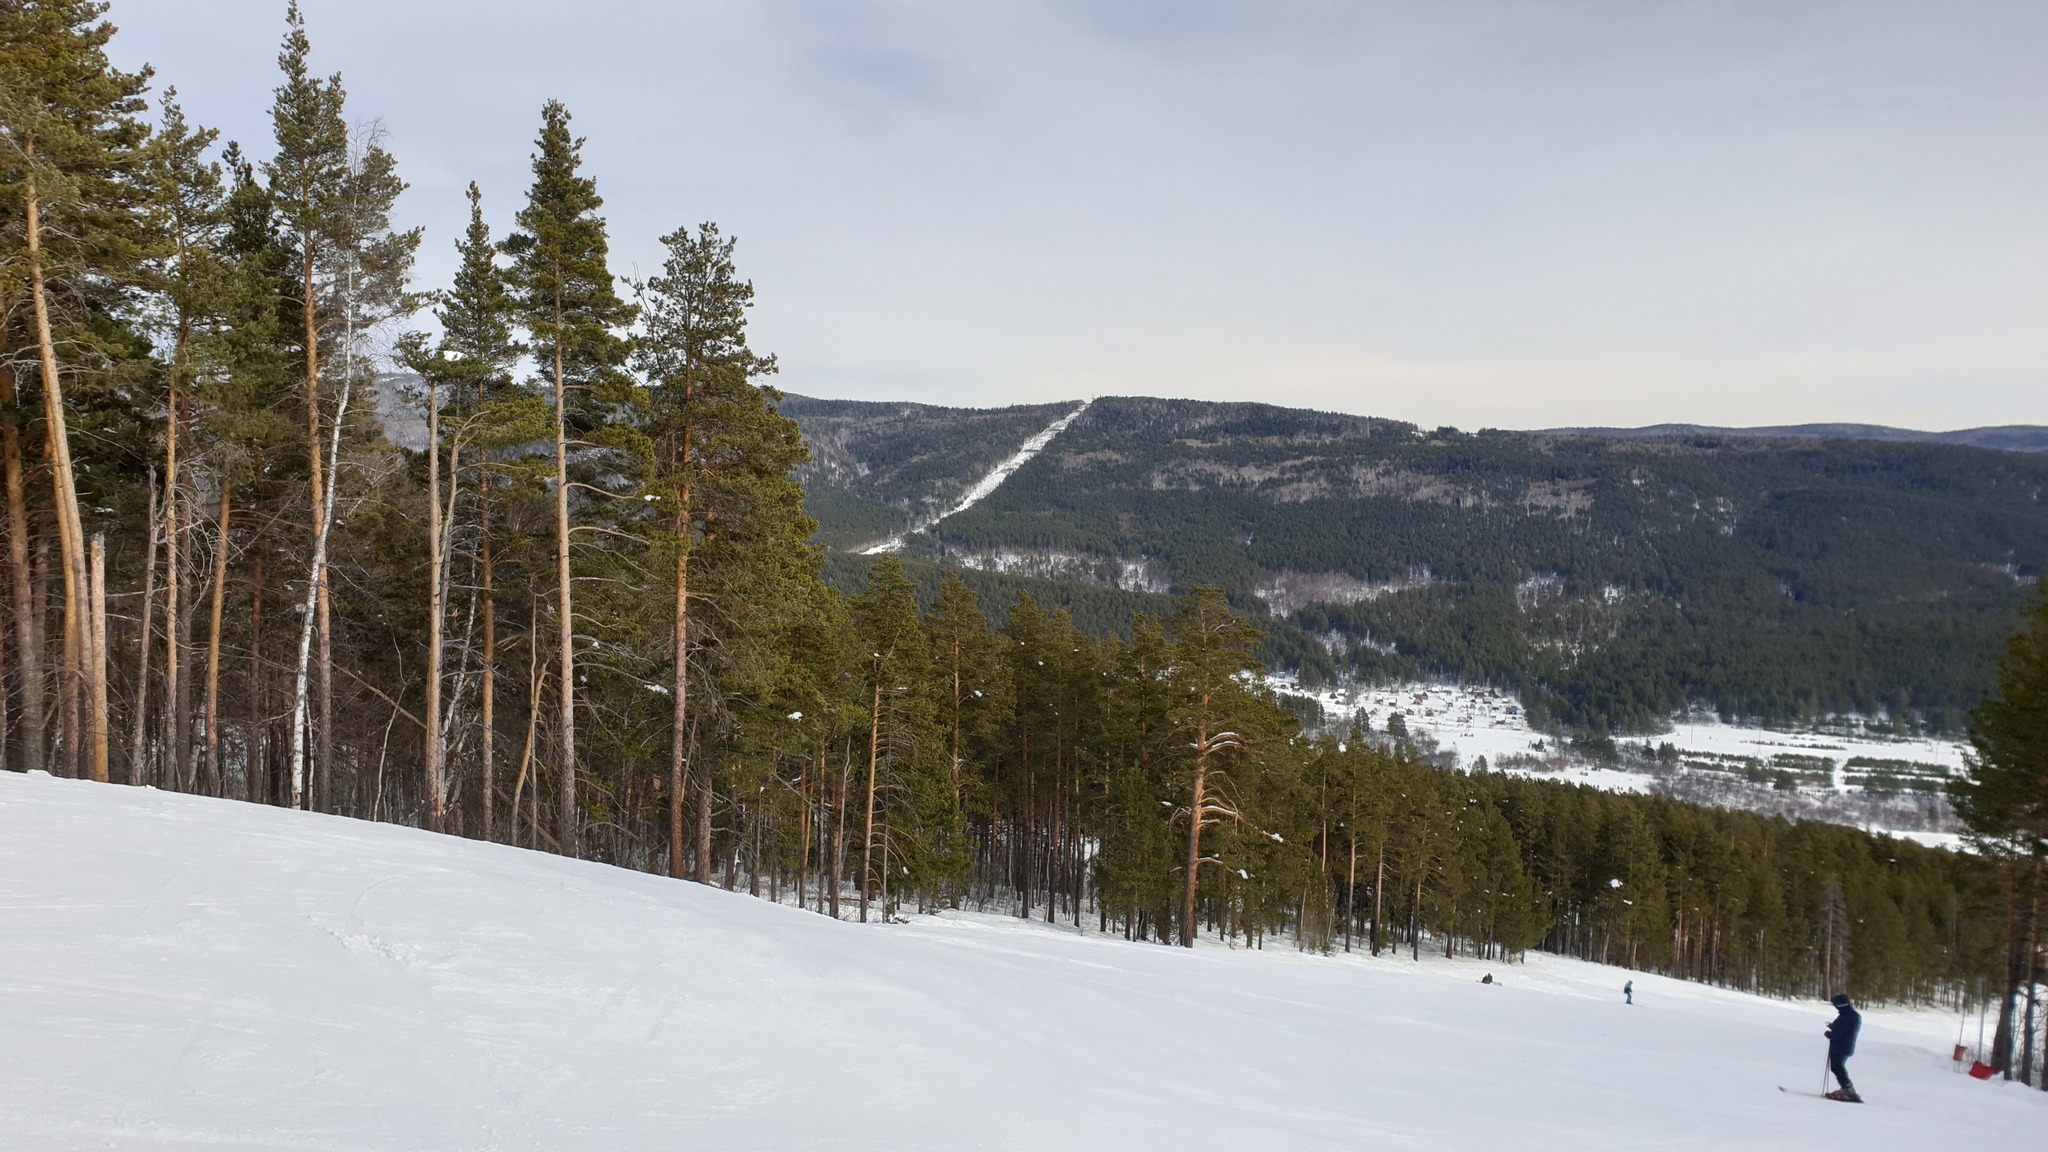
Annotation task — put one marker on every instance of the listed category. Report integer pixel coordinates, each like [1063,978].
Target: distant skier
[1842,1045]
[1486,979]
[1628,992]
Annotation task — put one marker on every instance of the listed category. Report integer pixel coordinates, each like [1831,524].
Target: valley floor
[1708,756]
[184,973]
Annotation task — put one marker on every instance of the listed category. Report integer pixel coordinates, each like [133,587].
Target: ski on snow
[1819,1095]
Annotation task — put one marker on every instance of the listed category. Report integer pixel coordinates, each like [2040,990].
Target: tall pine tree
[70,165]
[571,310]
[335,192]
[2003,798]
[723,455]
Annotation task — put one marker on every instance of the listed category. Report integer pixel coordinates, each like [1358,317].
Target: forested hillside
[880,469]
[1611,579]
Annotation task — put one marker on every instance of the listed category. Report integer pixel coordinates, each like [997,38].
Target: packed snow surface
[1480,721]
[182,973]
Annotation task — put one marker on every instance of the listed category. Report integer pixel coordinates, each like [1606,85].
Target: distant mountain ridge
[1611,577]
[2001,437]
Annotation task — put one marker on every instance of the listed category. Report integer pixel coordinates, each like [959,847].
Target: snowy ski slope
[1024,454]
[182,973]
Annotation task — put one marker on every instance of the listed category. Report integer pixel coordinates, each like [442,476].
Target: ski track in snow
[992,481]
[185,973]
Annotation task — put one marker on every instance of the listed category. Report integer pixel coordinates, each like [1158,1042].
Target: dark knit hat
[1841,1000]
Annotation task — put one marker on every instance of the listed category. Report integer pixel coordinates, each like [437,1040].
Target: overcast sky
[1515,214]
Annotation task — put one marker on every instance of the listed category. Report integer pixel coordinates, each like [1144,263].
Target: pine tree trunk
[958,697]
[803,854]
[320,797]
[1350,893]
[98,668]
[435,610]
[566,835]
[179,630]
[2002,1037]
[138,738]
[706,797]
[258,736]
[39,608]
[216,778]
[1187,911]
[533,690]
[1379,888]
[32,698]
[867,844]
[174,598]
[679,747]
[2027,1040]
[678,769]
[57,438]
[487,707]
[839,830]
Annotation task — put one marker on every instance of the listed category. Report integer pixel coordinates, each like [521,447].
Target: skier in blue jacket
[1842,1045]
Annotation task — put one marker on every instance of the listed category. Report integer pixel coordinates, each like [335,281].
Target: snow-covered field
[1479,721]
[182,973]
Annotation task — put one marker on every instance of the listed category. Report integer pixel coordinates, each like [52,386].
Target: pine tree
[307,176]
[252,411]
[572,313]
[2002,797]
[192,287]
[905,757]
[964,661]
[70,156]
[2003,794]
[722,452]
[335,192]
[1834,937]
[1217,716]
[466,375]
[476,321]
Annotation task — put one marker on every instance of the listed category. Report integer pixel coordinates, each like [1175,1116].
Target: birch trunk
[309,308]
[316,580]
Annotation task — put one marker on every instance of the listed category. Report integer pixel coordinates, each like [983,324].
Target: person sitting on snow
[1842,1045]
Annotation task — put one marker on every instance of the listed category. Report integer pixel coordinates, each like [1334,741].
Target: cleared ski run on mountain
[989,483]
[186,973]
